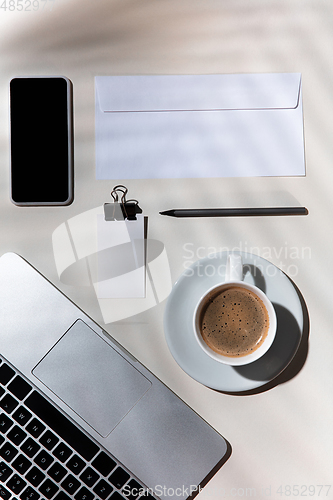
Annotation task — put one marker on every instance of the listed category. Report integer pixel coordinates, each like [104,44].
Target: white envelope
[178,126]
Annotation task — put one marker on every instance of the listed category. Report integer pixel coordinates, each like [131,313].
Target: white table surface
[281,437]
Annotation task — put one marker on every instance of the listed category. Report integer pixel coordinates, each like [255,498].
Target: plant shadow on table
[288,353]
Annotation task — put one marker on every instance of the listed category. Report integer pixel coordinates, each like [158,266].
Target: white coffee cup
[234,278]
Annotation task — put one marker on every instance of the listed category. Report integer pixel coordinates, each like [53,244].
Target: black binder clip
[125,209]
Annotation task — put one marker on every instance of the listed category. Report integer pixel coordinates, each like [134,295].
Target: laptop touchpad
[92,378]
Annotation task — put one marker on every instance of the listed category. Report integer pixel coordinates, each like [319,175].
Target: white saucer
[179,330]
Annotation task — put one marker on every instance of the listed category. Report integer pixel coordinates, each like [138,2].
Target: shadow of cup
[288,353]
[281,352]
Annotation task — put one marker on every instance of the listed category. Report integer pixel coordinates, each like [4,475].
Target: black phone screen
[41,141]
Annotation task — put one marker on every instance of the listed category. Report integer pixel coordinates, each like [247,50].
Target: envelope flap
[198,92]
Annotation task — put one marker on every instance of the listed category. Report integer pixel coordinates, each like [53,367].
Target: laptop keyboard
[43,455]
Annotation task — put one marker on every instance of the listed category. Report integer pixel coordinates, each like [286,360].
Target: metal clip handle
[129,208]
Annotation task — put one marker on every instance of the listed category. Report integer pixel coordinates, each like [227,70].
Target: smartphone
[41,140]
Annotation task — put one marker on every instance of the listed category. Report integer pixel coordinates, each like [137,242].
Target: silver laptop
[79,416]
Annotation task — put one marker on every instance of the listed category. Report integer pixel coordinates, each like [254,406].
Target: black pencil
[234,212]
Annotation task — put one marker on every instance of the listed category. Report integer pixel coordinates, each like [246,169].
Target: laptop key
[103,489]
[70,484]
[19,387]
[8,403]
[44,460]
[84,494]
[48,488]
[49,440]
[62,452]
[16,435]
[119,477]
[62,496]
[89,476]
[16,484]
[30,447]
[21,464]
[57,472]
[35,428]
[8,452]
[35,476]
[6,373]
[4,494]
[132,490]
[76,464]
[22,415]
[5,423]
[103,463]
[117,496]
[29,494]
[5,472]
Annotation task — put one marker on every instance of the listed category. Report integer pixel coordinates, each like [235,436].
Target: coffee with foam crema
[234,322]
